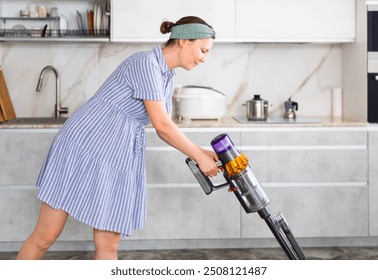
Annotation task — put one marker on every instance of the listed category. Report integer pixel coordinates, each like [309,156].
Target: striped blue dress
[95,167]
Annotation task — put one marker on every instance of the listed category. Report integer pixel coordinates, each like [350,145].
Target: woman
[95,168]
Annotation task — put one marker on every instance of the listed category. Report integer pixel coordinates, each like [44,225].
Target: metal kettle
[290,108]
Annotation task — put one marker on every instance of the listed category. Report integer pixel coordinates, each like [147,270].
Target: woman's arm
[171,134]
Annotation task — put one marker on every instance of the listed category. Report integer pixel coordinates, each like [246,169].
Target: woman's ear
[183,42]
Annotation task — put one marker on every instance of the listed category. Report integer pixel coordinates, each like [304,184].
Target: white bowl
[36,32]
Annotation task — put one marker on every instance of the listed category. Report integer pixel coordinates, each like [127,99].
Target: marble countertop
[273,122]
[225,122]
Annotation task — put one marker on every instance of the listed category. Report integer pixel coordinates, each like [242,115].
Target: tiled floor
[333,253]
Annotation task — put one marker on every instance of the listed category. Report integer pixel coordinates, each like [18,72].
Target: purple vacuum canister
[221,144]
[224,148]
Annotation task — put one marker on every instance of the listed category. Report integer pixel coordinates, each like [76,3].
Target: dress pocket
[139,141]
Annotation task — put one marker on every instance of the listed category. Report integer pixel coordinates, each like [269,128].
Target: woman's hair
[166,26]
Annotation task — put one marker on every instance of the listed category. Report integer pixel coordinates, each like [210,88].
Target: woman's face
[194,52]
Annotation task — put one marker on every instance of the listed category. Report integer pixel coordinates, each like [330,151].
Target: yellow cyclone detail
[236,165]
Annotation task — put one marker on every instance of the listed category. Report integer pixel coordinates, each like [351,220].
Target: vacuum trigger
[232,189]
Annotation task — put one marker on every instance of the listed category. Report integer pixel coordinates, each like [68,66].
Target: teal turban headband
[192,31]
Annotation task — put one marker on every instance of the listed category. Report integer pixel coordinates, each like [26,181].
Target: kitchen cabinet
[295,20]
[239,20]
[21,155]
[320,178]
[317,179]
[373,179]
[140,20]
[70,24]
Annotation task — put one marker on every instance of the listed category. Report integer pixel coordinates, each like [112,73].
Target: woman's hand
[207,163]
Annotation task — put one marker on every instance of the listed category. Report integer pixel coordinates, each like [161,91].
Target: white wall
[304,72]
[355,69]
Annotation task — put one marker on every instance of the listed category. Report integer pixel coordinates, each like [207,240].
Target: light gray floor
[333,253]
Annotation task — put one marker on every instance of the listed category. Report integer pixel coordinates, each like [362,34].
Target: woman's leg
[49,226]
[106,244]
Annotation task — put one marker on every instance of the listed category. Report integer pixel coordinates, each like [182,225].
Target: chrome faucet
[58,109]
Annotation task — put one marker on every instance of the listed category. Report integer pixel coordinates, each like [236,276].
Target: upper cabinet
[140,20]
[239,20]
[295,20]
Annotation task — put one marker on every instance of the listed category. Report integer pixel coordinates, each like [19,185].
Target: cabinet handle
[376,77]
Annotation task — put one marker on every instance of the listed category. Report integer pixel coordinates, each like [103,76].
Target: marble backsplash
[307,73]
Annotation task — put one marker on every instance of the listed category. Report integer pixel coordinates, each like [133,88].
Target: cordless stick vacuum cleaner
[243,183]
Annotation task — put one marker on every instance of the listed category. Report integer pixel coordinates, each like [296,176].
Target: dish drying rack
[20,33]
[53,33]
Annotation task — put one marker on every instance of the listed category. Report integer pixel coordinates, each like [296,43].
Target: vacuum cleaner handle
[203,180]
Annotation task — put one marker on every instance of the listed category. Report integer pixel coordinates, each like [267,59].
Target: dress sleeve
[146,80]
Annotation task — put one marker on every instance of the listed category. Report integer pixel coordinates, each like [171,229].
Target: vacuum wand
[242,182]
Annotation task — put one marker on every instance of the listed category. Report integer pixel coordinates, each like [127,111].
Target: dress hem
[123,235]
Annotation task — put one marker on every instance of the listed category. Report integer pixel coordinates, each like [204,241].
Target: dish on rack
[36,32]
[63,24]
[98,22]
[19,30]
[19,27]
[79,20]
[24,13]
[105,21]
[90,17]
[99,19]
[95,18]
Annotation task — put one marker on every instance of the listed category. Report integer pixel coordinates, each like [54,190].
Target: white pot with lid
[199,103]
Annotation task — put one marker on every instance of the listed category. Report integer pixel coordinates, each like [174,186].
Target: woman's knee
[49,226]
[43,240]
[106,240]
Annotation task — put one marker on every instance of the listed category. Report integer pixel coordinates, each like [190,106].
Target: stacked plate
[97,20]
[100,19]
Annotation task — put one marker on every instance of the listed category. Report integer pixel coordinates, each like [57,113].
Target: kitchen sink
[36,121]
